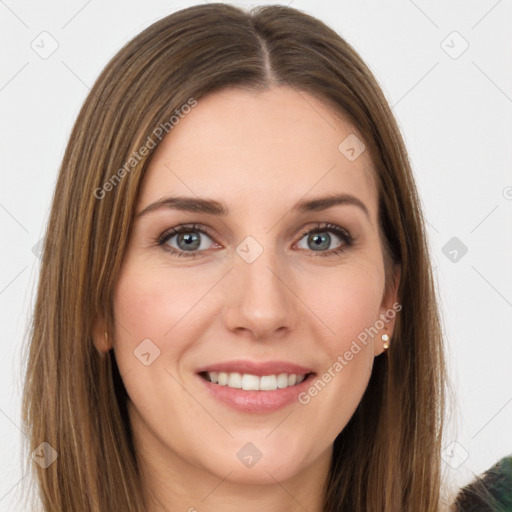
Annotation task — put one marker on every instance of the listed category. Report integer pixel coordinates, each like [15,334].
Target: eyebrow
[213,207]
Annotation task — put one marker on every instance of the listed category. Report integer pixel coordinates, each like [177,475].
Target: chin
[259,462]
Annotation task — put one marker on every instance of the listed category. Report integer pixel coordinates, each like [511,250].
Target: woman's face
[254,291]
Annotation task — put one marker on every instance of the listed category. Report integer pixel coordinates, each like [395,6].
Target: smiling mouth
[249,382]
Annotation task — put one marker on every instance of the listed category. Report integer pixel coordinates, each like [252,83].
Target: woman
[236,307]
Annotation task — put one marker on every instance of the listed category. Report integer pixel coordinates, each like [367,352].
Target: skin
[259,153]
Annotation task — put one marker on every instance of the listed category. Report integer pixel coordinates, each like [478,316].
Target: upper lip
[259,368]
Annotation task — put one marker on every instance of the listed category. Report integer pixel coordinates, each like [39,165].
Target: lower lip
[257,401]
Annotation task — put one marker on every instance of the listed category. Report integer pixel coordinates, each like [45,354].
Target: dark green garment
[490,492]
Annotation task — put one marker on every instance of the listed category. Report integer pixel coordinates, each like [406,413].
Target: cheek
[154,316]
[147,306]
[348,306]
[348,303]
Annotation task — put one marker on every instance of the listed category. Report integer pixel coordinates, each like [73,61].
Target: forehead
[269,146]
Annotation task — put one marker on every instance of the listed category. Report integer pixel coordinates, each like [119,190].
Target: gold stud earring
[385,339]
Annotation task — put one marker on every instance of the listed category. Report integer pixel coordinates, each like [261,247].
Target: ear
[101,342]
[389,308]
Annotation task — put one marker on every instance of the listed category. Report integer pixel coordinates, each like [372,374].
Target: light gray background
[455,112]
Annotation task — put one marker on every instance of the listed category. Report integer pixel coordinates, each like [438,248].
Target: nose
[260,298]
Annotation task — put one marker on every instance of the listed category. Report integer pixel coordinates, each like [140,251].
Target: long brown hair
[387,458]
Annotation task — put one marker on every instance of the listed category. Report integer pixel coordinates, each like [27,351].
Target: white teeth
[282,380]
[250,382]
[234,380]
[268,383]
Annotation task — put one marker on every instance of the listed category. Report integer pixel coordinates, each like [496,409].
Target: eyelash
[343,234]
